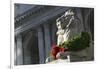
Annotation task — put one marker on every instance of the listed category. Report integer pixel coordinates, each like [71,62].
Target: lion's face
[64,20]
[59,25]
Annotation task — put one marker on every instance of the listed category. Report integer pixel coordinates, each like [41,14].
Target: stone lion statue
[68,26]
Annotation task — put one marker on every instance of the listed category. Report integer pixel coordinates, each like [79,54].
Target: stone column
[26,46]
[41,45]
[79,21]
[47,39]
[15,53]
[53,31]
[19,54]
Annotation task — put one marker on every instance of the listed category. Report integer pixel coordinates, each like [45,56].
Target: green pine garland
[77,43]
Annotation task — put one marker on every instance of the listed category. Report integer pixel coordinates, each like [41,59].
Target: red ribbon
[61,50]
[55,49]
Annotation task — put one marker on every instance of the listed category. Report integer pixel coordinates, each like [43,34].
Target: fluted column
[53,31]
[41,45]
[19,50]
[47,39]
[15,53]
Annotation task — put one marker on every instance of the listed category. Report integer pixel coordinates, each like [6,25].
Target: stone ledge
[59,61]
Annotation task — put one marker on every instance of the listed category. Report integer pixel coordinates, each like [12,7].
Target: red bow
[61,50]
[55,49]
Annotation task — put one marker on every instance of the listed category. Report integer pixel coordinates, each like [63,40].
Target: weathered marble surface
[58,61]
[69,25]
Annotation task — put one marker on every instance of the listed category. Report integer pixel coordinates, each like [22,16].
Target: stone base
[59,61]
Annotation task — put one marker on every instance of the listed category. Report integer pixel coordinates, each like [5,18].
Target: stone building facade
[35,31]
